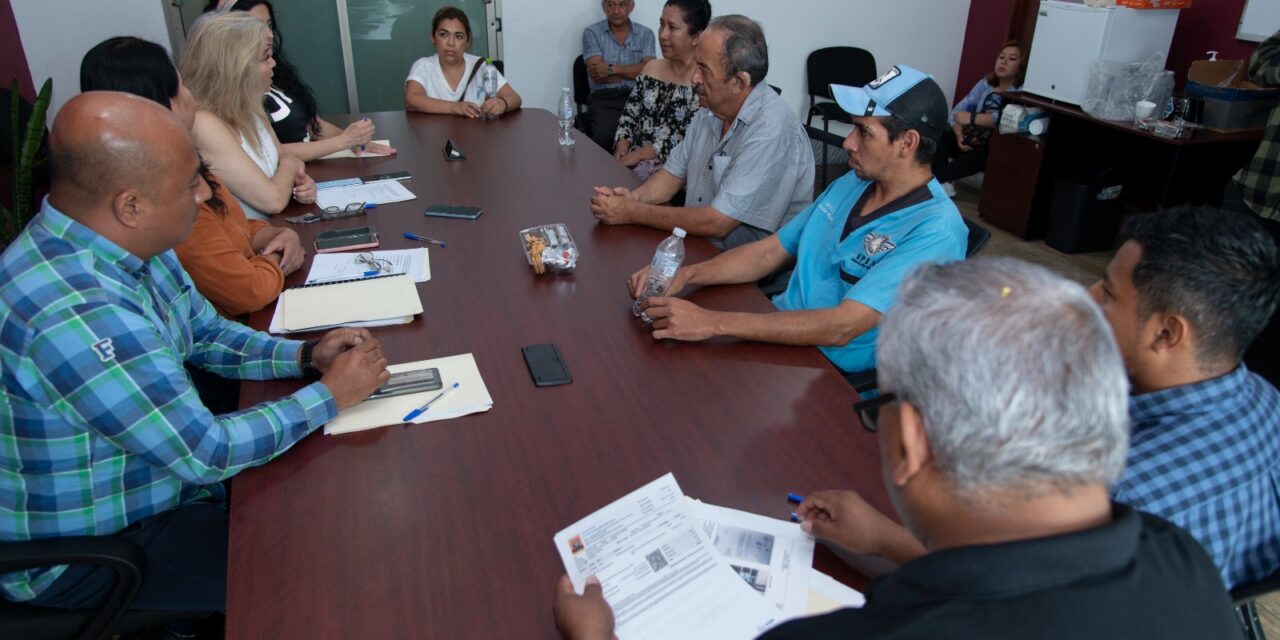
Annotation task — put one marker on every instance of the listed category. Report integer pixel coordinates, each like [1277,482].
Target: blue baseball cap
[908,94]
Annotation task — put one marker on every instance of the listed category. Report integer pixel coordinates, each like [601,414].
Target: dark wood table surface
[444,530]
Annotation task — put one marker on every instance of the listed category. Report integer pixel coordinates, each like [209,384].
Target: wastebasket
[1084,214]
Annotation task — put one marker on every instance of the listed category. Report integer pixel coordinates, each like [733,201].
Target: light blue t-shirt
[868,263]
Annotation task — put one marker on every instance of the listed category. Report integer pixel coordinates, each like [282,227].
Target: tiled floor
[1084,268]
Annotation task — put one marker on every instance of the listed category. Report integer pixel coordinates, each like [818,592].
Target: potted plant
[26,145]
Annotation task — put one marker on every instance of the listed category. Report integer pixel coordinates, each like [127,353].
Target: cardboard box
[1231,101]
[1154,4]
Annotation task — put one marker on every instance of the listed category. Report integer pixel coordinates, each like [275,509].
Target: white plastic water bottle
[566,118]
[489,81]
[666,260]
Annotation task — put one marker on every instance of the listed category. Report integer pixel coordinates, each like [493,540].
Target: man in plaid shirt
[101,431]
[1186,293]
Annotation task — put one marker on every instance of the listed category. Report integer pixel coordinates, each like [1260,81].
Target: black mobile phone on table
[453,211]
[346,239]
[545,365]
[407,382]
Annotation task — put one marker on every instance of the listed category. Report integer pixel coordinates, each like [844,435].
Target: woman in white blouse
[450,81]
[227,67]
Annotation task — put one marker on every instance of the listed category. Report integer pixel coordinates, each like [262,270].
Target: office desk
[443,530]
[1155,171]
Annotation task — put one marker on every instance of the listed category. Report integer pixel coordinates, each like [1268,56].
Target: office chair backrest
[978,238]
[580,87]
[838,65]
[502,68]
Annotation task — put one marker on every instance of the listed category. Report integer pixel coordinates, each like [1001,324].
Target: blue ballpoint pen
[423,409]
[414,236]
[366,119]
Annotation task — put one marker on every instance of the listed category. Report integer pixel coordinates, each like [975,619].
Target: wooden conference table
[443,530]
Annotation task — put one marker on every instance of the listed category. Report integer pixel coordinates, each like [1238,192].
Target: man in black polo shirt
[1002,419]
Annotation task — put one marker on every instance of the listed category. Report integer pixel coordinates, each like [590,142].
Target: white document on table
[773,556]
[380,192]
[326,267]
[347,153]
[471,396]
[826,595]
[659,571]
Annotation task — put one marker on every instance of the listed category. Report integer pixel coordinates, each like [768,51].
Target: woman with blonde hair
[228,66]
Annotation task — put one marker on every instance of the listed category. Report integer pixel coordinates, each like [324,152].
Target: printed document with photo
[773,556]
[659,570]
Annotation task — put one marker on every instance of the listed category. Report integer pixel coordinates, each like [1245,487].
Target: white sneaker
[949,189]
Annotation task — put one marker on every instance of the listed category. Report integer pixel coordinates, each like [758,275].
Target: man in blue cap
[851,247]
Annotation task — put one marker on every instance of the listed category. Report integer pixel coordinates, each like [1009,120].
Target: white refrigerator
[1070,36]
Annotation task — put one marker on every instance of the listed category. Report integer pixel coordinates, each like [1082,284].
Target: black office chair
[502,68]
[979,236]
[125,558]
[864,381]
[776,89]
[581,89]
[836,65]
[831,154]
[1244,596]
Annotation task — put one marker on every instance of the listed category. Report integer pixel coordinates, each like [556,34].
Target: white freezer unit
[1071,36]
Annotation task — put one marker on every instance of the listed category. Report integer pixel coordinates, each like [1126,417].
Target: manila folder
[336,303]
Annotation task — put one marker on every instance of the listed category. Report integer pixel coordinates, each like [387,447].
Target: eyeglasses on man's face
[869,410]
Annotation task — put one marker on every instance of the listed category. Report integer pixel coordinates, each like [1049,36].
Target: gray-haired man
[745,160]
[1001,422]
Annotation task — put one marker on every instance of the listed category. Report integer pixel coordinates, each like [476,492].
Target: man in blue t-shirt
[851,247]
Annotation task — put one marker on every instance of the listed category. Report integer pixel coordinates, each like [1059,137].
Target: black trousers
[951,163]
[604,109]
[186,550]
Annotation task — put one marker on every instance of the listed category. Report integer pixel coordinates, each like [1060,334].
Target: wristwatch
[610,68]
[304,358]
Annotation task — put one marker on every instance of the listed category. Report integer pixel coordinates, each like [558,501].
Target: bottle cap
[678,232]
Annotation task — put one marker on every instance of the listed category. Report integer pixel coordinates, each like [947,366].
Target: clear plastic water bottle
[666,260]
[566,118]
[489,81]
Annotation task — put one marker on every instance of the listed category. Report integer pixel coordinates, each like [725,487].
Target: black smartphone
[346,239]
[407,382]
[395,175]
[545,365]
[453,211]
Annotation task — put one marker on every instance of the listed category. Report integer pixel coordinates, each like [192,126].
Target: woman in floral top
[663,100]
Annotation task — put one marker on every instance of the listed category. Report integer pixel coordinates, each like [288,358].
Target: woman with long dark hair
[291,105]
[962,151]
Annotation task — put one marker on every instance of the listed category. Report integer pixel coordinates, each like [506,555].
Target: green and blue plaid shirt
[100,426]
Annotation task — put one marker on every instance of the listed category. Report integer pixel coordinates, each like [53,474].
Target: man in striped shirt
[101,430]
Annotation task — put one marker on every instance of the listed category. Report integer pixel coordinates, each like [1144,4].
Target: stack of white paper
[659,570]
[773,556]
[327,267]
[674,567]
[380,192]
[471,396]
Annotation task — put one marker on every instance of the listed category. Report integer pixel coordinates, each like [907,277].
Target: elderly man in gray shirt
[745,160]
